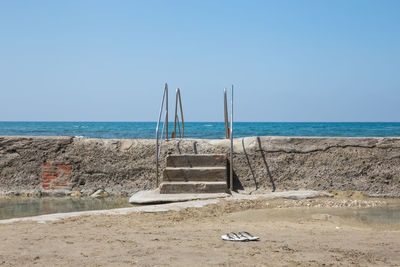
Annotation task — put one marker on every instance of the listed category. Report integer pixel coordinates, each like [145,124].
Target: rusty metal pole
[231,136]
[226,115]
[183,122]
[166,114]
[157,131]
[173,135]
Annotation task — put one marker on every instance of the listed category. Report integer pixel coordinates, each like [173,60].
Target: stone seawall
[41,165]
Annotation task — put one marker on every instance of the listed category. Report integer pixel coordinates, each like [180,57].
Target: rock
[87,192]
[76,194]
[30,193]
[100,194]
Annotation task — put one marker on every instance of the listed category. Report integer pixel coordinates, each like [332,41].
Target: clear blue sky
[289,60]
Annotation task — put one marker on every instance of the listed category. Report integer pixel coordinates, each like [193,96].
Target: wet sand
[292,232]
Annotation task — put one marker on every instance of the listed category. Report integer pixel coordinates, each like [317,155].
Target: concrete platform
[154,197]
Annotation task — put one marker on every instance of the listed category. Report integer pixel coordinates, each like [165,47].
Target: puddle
[24,207]
[387,217]
[378,217]
[382,216]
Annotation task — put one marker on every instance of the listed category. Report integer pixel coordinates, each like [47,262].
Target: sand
[292,232]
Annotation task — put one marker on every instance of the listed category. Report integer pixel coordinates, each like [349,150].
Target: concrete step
[192,187]
[205,174]
[196,160]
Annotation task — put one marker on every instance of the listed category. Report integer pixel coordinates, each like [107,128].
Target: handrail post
[231,136]
[176,117]
[226,115]
[176,114]
[183,122]
[165,91]
[166,115]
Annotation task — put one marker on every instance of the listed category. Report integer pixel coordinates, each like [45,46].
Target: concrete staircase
[194,174]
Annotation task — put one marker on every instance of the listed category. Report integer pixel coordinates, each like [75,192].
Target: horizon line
[205,121]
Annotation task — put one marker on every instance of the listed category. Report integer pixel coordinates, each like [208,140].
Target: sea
[206,130]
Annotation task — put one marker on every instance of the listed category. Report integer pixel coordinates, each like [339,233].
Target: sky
[295,61]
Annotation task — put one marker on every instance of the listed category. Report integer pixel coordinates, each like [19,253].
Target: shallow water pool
[378,216]
[22,207]
[385,217]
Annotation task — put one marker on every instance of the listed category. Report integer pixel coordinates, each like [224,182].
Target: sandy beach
[141,133]
[293,233]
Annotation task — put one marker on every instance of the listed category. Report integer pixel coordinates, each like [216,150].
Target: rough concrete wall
[370,165]
[125,166]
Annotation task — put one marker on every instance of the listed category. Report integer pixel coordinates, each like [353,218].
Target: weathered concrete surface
[197,187]
[154,196]
[199,173]
[196,160]
[32,164]
[205,174]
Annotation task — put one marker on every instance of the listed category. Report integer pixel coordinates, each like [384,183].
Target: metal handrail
[165,126]
[176,120]
[231,136]
[226,115]
[228,130]
[229,133]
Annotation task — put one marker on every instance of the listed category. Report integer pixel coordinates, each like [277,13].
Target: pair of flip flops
[241,236]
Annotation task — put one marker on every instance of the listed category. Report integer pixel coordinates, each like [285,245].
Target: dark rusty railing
[176,120]
[229,133]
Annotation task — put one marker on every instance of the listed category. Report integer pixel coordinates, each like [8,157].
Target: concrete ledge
[124,166]
[154,196]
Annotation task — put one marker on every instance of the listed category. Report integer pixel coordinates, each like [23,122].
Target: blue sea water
[208,130]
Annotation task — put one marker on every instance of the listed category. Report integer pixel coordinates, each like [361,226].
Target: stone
[100,194]
[76,194]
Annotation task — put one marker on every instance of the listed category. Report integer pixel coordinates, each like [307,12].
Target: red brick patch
[56,175]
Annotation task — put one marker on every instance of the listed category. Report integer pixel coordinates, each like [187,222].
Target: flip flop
[233,237]
[248,236]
